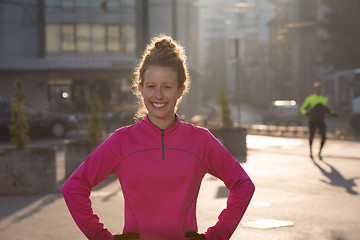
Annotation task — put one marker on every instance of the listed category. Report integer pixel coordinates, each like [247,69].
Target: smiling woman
[160,162]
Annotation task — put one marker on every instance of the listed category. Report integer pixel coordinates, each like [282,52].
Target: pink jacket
[160,173]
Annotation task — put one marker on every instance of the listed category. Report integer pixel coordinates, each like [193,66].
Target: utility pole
[238,80]
[41,27]
[174,19]
[142,25]
[235,53]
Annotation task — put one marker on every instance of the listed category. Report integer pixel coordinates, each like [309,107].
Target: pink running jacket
[160,173]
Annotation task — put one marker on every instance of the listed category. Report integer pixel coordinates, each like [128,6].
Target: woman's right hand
[126,236]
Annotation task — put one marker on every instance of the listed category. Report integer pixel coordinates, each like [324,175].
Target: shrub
[19,128]
[226,119]
[95,126]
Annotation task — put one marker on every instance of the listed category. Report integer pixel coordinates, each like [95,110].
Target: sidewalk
[321,199]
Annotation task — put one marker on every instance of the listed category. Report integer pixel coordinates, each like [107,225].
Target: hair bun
[163,44]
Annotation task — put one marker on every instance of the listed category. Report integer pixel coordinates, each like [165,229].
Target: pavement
[296,198]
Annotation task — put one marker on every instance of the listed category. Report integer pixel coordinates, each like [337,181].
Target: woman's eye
[150,86]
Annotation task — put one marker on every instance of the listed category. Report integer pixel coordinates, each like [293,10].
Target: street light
[174,18]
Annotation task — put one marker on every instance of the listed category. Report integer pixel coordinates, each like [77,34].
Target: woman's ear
[141,89]
[181,90]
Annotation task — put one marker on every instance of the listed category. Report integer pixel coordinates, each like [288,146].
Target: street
[321,198]
[315,199]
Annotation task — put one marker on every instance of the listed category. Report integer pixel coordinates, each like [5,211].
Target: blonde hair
[163,51]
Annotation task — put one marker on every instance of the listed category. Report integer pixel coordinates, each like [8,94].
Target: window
[52,38]
[130,3]
[113,38]
[128,35]
[82,4]
[98,38]
[67,4]
[356,85]
[96,3]
[113,4]
[68,40]
[59,91]
[52,4]
[83,38]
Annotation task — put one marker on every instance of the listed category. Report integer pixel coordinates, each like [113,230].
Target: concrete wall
[31,171]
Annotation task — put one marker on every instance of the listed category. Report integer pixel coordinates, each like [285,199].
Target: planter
[355,122]
[76,151]
[30,171]
[234,140]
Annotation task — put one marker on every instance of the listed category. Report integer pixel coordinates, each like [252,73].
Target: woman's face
[160,92]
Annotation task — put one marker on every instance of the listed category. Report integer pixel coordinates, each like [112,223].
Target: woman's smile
[158,105]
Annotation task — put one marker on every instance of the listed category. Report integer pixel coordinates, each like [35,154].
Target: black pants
[313,125]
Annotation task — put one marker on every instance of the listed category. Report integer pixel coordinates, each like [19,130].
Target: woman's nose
[158,93]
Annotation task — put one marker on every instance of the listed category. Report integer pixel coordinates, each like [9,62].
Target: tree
[339,45]
[95,127]
[19,128]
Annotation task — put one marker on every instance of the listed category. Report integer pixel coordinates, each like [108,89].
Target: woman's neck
[163,124]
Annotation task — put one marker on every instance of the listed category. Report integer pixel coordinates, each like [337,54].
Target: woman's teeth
[159,104]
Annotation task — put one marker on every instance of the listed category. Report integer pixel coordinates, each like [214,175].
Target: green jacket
[316,106]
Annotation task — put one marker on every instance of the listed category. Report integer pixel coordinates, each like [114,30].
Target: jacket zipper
[162,139]
[162,143]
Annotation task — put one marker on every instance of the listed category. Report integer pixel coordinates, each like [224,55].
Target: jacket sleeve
[222,165]
[326,104]
[304,106]
[76,190]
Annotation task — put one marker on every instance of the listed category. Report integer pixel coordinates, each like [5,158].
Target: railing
[300,131]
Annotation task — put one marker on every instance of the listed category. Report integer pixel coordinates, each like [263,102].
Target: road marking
[259,204]
[102,194]
[253,141]
[268,223]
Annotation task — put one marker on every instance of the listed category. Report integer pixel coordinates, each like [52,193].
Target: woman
[160,162]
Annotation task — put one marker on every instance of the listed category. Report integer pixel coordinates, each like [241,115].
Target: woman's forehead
[157,73]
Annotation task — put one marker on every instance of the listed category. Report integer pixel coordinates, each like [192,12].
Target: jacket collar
[147,123]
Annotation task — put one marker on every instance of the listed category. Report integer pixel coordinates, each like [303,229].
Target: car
[40,122]
[283,112]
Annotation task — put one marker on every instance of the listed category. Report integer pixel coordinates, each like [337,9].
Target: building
[239,29]
[180,19]
[294,49]
[64,51]
[338,87]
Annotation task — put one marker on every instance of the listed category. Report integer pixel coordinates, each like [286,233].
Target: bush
[19,128]
[95,126]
